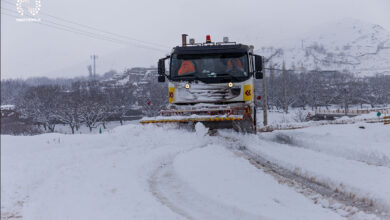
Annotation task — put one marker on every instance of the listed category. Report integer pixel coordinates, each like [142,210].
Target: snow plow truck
[211,83]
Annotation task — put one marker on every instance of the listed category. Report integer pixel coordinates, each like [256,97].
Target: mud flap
[244,126]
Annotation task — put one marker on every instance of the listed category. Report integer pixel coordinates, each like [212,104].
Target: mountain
[132,77]
[356,46]
[352,45]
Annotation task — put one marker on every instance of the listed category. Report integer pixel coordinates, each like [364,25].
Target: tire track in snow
[371,160]
[344,204]
[154,184]
[184,201]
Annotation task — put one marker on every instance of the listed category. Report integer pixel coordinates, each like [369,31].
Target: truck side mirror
[161,78]
[259,75]
[161,67]
[259,66]
[161,70]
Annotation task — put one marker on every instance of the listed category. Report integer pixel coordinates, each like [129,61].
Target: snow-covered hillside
[131,77]
[148,172]
[348,44]
[359,47]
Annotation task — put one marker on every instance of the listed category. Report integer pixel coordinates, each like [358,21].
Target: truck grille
[219,93]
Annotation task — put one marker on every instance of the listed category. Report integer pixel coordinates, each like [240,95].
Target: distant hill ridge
[355,46]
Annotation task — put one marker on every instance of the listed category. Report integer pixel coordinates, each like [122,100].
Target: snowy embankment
[113,176]
[346,158]
[56,176]
[230,181]
[296,118]
[148,172]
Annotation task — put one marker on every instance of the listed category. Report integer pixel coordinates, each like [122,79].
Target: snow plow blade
[238,118]
[197,118]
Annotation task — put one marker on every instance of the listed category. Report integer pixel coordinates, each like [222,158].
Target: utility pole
[94,57]
[265,102]
[89,67]
[285,81]
[345,101]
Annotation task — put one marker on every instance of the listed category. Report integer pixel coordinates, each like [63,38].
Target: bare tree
[40,104]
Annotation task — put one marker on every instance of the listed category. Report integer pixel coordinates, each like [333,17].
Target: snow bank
[219,175]
[56,176]
[340,156]
[108,176]
[7,107]
[363,142]
[296,118]
[275,117]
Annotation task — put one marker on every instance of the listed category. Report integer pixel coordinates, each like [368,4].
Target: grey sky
[29,49]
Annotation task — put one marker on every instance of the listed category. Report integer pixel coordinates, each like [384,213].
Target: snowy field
[148,172]
[65,129]
[296,118]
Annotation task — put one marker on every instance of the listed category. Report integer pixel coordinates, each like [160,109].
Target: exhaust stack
[184,40]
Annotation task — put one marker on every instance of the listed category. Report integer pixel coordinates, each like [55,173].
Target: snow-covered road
[345,158]
[147,172]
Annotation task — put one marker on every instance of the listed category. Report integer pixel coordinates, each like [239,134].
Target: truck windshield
[210,68]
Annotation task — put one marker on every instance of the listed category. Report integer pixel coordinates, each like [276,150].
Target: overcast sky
[30,49]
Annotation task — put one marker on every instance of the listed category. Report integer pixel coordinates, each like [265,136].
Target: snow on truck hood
[202,92]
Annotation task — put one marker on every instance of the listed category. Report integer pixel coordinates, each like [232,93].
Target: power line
[73,31]
[81,32]
[84,32]
[148,45]
[65,26]
[107,32]
[96,29]
[113,40]
[87,34]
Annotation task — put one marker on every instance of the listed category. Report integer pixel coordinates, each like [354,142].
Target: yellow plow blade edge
[183,119]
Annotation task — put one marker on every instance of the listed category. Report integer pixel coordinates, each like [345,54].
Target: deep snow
[344,157]
[149,172]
